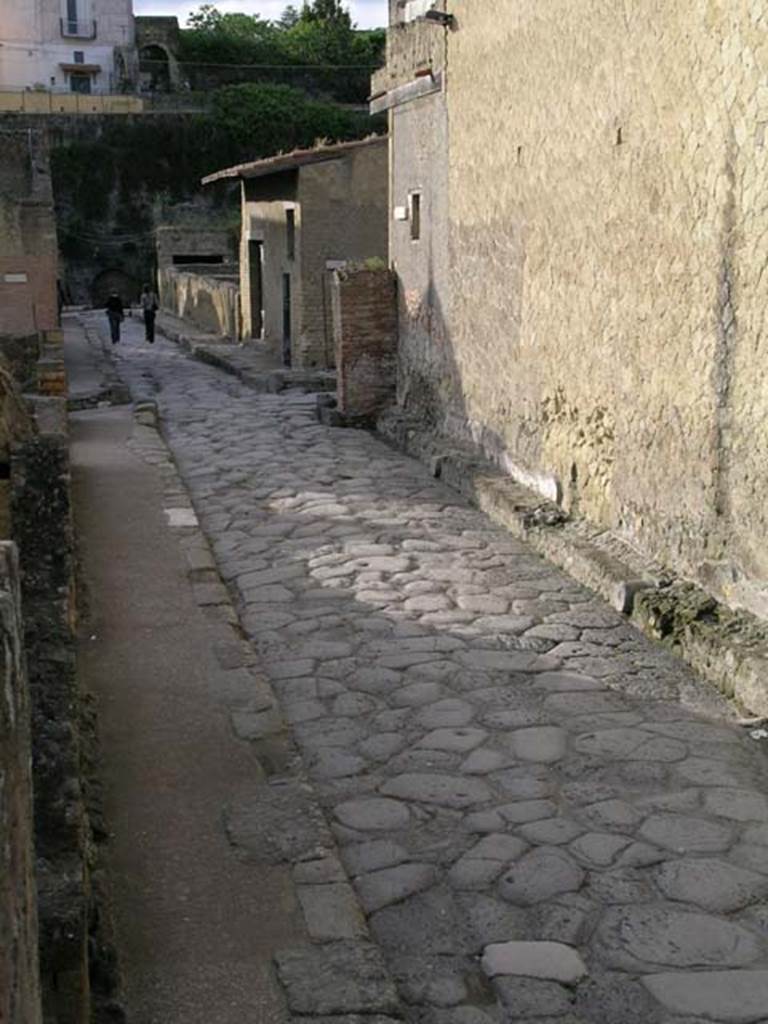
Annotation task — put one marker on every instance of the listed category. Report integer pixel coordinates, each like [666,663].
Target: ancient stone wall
[19,973]
[28,245]
[211,301]
[343,217]
[604,312]
[42,528]
[365,340]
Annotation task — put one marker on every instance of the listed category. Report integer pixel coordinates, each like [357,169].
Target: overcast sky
[366,13]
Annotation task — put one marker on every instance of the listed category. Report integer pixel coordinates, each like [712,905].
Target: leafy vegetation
[317,48]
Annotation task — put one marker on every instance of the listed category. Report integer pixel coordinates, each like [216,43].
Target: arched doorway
[154,68]
[127,287]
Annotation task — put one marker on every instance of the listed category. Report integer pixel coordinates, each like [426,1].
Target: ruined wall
[365,340]
[19,973]
[343,217]
[211,301]
[41,520]
[605,316]
[28,245]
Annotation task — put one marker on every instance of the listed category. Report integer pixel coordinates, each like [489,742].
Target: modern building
[305,214]
[78,46]
[580,236]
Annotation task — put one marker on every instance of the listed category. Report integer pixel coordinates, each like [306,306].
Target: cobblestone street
[503,761]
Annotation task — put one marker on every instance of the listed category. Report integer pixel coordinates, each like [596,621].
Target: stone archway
[155,68]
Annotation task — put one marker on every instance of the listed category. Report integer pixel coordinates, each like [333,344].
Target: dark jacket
[114,304]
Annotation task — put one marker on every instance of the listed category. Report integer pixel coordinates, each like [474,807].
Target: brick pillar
[364,306]
[19,972]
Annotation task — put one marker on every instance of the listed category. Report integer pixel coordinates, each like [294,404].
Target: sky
[366,13]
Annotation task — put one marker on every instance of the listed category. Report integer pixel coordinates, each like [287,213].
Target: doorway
[256,285]
[286,319]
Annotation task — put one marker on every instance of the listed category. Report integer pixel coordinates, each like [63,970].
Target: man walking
[149,308]
[115,315]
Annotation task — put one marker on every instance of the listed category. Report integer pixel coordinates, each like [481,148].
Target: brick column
[364,306]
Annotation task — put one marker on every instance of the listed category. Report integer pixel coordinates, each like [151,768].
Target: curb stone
[728,648]
[341,971]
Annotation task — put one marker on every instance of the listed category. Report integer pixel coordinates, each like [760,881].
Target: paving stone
[685,834]
[469,874]
[382,746]
[564,922]
[336,978]
[331,912]
[393,884]
[738,996]
[551,832]
[711,884]
[737,804]
[318,870]
[525,786]
[336,764]
[544,745]
[598,848]
[369,814]
[612,814]
[459,740]
[531,997]
[481,762]
[539,875]
[705,772]
[291,668]
[449,713]
[630,744]
[551,961]
[565,682]
[644,938]
[527,810]
[498,847]
[376,680]
[362,858]
[433,788]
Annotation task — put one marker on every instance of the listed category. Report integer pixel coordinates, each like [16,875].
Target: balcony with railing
[72,28]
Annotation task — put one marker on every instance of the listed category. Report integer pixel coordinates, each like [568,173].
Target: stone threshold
[729,648]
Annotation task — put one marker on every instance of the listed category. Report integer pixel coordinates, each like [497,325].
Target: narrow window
[79,56]
[72,25]
[415,216]
[290,234]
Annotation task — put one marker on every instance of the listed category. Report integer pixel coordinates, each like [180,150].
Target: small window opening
[519,156]
[619,137]
[79,56]
[290,234]
[184,259]
[415,216]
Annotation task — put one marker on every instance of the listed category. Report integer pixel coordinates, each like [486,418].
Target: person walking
[115,315]
[149,308]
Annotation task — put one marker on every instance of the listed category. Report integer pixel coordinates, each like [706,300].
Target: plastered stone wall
[605,304]
[343,217]
[212,302]
[28,243]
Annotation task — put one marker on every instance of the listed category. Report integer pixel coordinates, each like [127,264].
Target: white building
[83,46]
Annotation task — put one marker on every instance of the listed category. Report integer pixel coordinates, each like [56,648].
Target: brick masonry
[19,975]
[365,340]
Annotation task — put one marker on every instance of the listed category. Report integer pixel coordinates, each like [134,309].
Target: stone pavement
[544,816]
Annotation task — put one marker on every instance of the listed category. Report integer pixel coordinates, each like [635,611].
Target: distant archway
[155,68]
[127,287]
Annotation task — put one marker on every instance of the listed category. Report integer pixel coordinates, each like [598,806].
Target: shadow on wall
[127,287]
